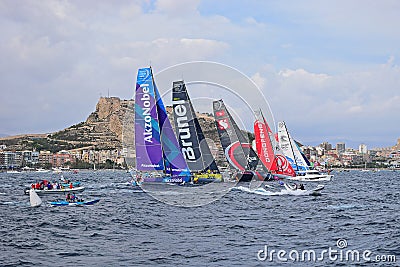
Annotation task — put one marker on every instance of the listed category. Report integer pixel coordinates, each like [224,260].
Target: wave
[264,192]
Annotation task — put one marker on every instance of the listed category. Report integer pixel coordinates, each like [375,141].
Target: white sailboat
[34,198]
[292,152]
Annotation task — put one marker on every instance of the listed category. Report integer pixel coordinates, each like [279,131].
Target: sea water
[358,213]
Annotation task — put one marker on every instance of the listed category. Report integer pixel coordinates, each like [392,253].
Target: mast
[156,97]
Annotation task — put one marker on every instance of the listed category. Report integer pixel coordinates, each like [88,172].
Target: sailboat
[297,159]
[237,149]
[191,139]
[34,199]
[268,149]
[158,154]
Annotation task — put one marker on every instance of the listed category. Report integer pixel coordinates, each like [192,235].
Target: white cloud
[345,104]
[258,80]
[177,7]
[355,109]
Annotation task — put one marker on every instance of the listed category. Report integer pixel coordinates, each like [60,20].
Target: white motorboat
[42,170]
[56,191]
[312,176]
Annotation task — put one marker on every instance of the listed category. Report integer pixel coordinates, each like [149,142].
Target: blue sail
[149,156]
[156,145]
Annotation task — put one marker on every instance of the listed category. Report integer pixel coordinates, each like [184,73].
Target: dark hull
[244,176]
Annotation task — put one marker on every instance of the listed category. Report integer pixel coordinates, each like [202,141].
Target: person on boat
[68,197]
[71,185]
[139,177]
[301,187]
[73,197]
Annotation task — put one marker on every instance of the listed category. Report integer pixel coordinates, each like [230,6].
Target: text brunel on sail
[184,130]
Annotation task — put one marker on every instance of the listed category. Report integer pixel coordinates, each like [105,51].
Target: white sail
[290,149]
[284,142]
[34,198]
[299,159]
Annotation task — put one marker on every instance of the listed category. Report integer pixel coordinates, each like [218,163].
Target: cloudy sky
[330,69]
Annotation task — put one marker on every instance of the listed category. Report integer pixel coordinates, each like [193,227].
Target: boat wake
[264,192]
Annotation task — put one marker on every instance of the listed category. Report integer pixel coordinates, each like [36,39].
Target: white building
[362,149]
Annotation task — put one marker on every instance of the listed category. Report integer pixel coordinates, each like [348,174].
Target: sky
[329,69]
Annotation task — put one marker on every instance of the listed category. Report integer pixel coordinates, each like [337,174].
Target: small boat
[42,170]
[76,203]
[280,191]
[13,171]
[311,176]
[55,191]
[316,191]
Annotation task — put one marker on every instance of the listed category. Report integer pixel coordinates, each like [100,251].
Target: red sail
[283,166]
[263,144]
[274,160]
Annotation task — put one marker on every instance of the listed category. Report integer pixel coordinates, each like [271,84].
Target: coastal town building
[10,160]
[61,159]
[30,158]
[340,148]
[45,157]
[362,148]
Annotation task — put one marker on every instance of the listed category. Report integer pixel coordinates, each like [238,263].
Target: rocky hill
[103,128]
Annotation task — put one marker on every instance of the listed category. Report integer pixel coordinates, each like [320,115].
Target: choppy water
[131,228]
